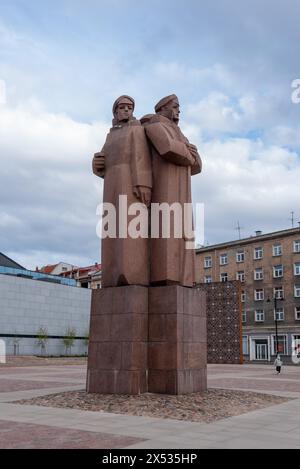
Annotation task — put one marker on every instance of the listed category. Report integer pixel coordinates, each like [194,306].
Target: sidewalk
[24,426]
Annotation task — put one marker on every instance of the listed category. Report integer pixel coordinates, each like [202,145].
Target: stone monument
[148,323]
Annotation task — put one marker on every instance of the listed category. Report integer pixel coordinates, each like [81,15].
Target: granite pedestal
[177,353]
[117,361]
[147,339]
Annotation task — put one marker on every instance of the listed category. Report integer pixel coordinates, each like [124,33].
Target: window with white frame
[297,246]
[245,345]
[297,291]
[278,271]
[297,313]
[279,293]
[259,315]
[224,277]
[297,268]
[240,276]
[281,346]
[244,317]
[258,274]
[223,259]
[207,262]
[277,250]
[243,296]
[259,294]
[240,256]
[279,314]
[207,279]
[258,253]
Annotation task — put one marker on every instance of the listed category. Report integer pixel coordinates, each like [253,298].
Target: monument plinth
[177,340]
[117,358]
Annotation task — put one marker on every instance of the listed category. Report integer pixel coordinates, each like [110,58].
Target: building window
[297,313]
[64,269]
[258,253]
[279,314]
[297,291]
[207,262]
[98,286]
[223,259]
[207,279]
[297,246]
[259,295]
[224,277]
[278,271]
[258,274]
[297,268]
[259,315]
[245,345]
[277,250]
[240,256]
[279,293]
[243,296]
[281,346]
[240,276]
[244,316]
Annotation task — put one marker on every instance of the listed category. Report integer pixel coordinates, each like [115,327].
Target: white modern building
[33,304]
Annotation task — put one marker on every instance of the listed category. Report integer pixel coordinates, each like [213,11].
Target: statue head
[123,109]
[169,107]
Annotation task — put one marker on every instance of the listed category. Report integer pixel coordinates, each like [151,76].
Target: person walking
[278,364]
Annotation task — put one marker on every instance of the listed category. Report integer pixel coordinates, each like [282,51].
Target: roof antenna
[292,218]
[239,228]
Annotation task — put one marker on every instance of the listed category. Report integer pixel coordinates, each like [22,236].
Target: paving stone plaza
[32,426]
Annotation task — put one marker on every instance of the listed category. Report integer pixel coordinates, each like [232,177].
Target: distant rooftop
[259,236]
[6,261]
[34,275]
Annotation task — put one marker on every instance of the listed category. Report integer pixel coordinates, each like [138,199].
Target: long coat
[125,261]
[172,167]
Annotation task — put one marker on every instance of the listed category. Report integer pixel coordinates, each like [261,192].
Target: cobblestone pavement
[24,426]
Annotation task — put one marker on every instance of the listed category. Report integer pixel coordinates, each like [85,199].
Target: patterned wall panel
[224,325]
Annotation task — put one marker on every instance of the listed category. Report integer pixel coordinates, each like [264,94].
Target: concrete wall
[26,305]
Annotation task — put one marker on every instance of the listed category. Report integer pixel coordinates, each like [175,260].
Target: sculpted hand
[98,163]
[143,194]
[193,150]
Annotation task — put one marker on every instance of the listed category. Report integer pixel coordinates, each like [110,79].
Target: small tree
[42,339]
[16,341]
[69,339]
[86,340]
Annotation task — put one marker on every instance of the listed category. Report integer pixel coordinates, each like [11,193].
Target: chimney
[258,233]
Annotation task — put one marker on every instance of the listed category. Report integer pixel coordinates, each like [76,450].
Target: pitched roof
[47,269]
[6,261]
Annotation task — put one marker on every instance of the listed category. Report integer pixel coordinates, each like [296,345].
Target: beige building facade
[268,267]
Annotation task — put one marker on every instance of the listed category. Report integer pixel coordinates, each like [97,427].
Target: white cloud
[249,181]
[48,194]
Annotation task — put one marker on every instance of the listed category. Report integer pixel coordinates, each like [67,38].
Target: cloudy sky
[62,64]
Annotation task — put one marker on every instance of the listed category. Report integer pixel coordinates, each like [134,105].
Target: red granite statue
[125,164]
[174,161]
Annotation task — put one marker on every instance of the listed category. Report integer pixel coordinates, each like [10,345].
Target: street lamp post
[275,319]
[276,329]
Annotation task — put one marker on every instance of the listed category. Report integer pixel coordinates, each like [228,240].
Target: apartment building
[268,268]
